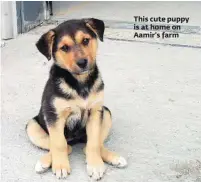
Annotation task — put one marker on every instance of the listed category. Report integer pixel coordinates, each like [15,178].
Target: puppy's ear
[97,26]
[45,43]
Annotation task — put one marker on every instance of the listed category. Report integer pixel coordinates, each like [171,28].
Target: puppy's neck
[82,88]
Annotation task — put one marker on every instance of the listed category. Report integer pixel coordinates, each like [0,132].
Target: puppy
[72,107]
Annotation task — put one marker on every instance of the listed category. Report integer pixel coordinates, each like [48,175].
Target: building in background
[21,16]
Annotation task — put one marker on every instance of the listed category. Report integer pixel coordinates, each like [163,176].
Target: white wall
[8,20]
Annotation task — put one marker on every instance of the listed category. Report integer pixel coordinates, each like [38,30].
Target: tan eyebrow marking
[79,36]
[66,40]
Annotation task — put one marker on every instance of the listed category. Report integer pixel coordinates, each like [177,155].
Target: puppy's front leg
[95,164]
[58,147]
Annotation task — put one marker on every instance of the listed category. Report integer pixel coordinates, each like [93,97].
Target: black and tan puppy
[72,104]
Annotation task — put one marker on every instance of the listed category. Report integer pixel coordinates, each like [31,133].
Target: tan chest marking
[94,98]
[91,101]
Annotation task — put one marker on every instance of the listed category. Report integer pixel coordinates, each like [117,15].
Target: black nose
[82,63]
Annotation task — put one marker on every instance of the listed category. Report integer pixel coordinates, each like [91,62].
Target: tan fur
[46,159]
[58,144]
[106,154]
[93,49]
[50,38]
[93,129]
[66,60]
[79,36]
[93,100]
[37,135]
[66,40]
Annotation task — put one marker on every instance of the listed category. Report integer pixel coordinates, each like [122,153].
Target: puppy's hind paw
[119,162]
[41,168]
[43,163]
[96,173]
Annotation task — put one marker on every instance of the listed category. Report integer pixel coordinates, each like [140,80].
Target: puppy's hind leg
[37,135]
[107,155]
[41,139]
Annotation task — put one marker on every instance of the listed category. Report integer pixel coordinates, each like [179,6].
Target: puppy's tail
[37,134]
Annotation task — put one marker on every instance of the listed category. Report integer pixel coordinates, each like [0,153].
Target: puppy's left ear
[45,43]
[97,26]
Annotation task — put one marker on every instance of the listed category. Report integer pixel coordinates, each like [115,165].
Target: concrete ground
[153,91]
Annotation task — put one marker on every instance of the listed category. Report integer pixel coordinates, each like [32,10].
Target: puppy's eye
[85,41]
[65,48]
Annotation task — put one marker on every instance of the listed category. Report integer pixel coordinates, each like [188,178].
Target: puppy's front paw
[61,166]
[96,168]
[96,172]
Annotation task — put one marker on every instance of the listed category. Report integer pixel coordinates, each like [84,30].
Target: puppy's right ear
[45,43]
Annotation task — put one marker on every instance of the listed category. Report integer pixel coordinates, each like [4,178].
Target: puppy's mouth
[83,71]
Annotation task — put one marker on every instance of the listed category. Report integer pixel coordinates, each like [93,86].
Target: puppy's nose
[82,63]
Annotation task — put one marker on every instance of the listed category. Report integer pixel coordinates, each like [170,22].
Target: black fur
[106,109]
[102,114]
[40,120]
[100,87]
[77,135]
[98,26]
[43,45]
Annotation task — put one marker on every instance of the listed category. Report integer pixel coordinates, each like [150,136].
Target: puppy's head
[73,44]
